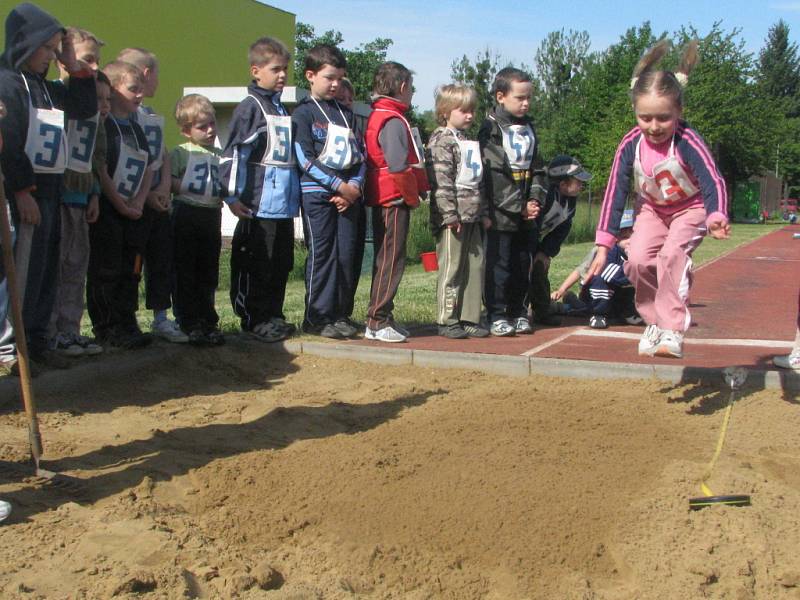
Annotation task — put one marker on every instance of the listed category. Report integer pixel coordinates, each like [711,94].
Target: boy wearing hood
[33,158]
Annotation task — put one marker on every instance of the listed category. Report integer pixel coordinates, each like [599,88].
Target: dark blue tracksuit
[611,292]
[331,237]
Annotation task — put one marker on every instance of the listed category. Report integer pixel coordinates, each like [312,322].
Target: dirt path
[219,474]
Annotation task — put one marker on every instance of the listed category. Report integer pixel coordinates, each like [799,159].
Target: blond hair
[78,35]
[452,96]
[264,49]
[118,72]
[647,79]
[192,106]
[139,57]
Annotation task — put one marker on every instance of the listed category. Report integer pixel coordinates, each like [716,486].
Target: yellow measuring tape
[720,442]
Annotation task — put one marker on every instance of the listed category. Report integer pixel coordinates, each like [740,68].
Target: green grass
[416,301]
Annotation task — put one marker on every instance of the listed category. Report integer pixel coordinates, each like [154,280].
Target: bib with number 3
[130,168]
[518,143]
[201,179]
[45,144]
[279,138]
[153,127]
[81,137]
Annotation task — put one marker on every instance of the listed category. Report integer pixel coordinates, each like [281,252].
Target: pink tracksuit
[679,191]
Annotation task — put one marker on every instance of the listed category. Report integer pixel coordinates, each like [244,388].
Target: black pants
[538,293]
[507,268]
[158,269]
[262,256]
[115,268]
[196,240]
[332,242]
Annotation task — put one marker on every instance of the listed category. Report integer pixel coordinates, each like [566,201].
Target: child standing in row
[79,208]
[330,155]
[459,214]
[115,259]
[395,179]
[259,174]
[34,157]
[682,196]
[196,220]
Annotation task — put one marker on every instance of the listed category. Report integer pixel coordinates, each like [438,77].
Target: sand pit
[240,473]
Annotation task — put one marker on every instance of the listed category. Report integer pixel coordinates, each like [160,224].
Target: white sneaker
[522,325]
[670,345]
[649,340]
[5,510]
[169,330]
[788,361]
[385,334]
[502,328]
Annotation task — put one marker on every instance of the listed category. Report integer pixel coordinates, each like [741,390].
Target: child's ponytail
[647,79]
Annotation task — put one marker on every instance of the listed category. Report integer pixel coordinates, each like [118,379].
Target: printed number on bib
[340,151]
[279,141]
[155,139]
[130,176]
[518,144]
[470,169]
[81,136]
[671,190]
[50,144]
[201,178]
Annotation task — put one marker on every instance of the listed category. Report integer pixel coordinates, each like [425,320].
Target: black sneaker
[197,337]
[598,322]
[453,332]
[345,327]
[474,330]
[215,337]
[131,340]
[330,331]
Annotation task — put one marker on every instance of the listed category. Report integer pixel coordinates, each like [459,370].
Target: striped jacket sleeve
[244,132]
[695,154]
[619,183]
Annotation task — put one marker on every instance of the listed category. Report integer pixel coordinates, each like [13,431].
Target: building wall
[198,43]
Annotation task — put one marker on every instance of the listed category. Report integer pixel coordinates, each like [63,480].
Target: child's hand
[349,192]
[598,264]
[93,209]
[66,56]
[240,211]
[455,227]
[486,222]
[531,210]
[157,201]
[557,295]
[720,230]
[27,208]
[134,213]
[341,204]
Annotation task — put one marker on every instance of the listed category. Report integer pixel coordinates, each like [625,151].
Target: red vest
[381,188]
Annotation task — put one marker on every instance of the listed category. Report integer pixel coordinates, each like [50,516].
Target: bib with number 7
[669,183]
[45,144]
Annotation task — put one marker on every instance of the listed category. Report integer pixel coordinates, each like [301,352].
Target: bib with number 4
[201,179]
[81,137]
[279,139]
[518,144]
[129,173]
[470,168]
[670,183]
[45,144]
[341,149]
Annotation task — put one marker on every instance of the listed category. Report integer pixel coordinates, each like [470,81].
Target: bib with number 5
[81,137]
[201,180]
[518,143]
[470,168]
[130,168]
[670,183]
[45,144]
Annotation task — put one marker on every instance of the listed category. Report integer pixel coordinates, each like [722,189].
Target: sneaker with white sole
[267,332]
[5,510]
[399,328]
[633,320]
[502,328]
[90,346]
[66,344]
[169,330]
[670,345]
[649,340]
[384,334]
[788,361]
[522,325]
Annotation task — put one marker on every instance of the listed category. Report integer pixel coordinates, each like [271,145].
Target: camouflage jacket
[450,204]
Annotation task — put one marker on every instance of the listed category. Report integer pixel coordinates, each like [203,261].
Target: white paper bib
[279,139]
[45,144]
[153,127]
[81,138]
[470,168]
[669,183]
[201,178]
[518,143]
[130,168]
[341,150]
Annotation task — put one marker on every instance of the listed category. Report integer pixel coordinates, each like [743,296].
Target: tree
[362,61]
[778,72]
[480,76]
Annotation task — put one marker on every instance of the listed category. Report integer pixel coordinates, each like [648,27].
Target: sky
[429,34]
